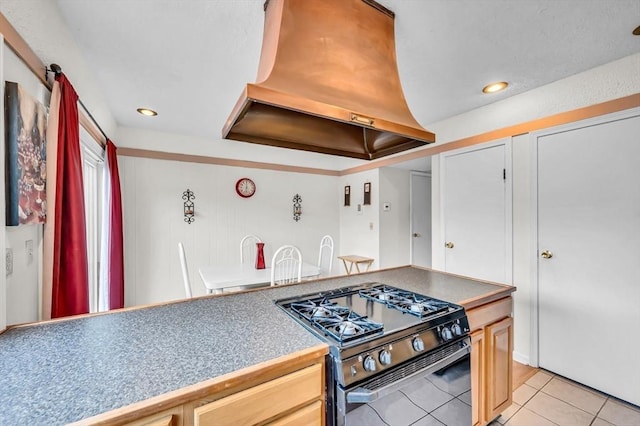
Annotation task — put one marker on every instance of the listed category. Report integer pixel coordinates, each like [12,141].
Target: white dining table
[218,277]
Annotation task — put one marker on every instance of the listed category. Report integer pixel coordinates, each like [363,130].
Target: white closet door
[475,216]
[589,289]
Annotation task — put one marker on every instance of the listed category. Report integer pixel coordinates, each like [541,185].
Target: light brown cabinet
[293,396]
[477,377]
[286,391]
[491,360]
[499,367]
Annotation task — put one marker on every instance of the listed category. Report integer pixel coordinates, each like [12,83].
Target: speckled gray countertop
[60,372]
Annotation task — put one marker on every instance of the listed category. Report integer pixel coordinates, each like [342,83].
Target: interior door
[476,222]
[589,235]
[420,219]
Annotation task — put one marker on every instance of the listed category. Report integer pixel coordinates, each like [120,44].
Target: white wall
[154,220]
[359,230]
[395,223]
[42,26]
[22,286]
[522,264]
[223,148]
[44,29]
[610,81]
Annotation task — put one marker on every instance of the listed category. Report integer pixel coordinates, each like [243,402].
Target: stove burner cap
[321,312]
[416,307]
[347,328]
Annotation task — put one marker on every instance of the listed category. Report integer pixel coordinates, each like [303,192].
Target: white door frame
[440,237]
[411,174]
[534,136]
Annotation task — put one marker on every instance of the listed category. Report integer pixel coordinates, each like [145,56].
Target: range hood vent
[327,82]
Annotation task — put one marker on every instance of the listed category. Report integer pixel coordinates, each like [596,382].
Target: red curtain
[70,288]
[116,257]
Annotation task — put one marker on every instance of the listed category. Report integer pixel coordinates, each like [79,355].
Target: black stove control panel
[384,357]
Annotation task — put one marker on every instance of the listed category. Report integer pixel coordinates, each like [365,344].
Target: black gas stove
[355,320]
[379,335]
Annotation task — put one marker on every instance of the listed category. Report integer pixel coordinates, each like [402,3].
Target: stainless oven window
[435,398]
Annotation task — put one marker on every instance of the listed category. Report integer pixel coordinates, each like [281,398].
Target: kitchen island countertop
[63,371]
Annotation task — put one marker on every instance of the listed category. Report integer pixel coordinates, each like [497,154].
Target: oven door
[433,389]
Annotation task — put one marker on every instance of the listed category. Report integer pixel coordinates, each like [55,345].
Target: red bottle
[260,256]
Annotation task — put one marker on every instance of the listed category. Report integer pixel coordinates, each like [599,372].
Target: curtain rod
[56,69]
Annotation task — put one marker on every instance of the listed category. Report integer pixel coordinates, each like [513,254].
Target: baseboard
[522,359]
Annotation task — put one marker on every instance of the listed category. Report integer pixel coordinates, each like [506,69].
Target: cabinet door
[499,341]
[477,377]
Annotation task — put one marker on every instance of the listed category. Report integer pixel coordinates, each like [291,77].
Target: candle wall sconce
[297,207]
[347,195]
[189,208]
[367,194]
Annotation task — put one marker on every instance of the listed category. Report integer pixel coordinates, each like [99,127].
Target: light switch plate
[9,261]
[28,246]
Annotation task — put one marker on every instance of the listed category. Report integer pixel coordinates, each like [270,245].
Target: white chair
[286,266]
[249,255]
[325,262]
[185,271]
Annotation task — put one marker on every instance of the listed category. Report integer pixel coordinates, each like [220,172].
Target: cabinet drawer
[311,415]
[264,401]
[489,313]
[170,417]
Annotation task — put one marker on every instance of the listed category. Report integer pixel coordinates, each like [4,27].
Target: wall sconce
[189,207]
[297,207]
[367,194]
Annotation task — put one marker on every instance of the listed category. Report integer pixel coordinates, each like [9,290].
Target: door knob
[449,245]
[546,254]
[416,235]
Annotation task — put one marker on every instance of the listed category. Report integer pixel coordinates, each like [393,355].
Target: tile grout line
[533,396]
[572,404]
[558,399]
[596,417]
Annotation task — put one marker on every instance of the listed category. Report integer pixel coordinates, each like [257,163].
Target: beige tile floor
[546,400]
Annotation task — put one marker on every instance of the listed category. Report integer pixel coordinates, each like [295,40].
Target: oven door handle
[362,395]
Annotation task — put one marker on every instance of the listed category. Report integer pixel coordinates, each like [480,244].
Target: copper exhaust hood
[327,82]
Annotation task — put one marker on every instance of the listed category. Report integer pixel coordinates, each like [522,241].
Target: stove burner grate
[405,301]
[335,320]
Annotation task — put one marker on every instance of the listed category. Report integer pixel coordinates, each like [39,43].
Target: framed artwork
[367,194]
[25,168]
[347,195]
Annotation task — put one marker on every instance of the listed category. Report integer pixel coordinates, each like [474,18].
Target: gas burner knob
[456,329]
[385,357]
[369,364]
[418,344]
[446,334]
[354,370]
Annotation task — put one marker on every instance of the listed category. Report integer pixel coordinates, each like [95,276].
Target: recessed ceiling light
[495,87]
[148,112]
[637,31]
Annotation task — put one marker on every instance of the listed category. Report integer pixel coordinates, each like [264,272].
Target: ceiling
[190,59]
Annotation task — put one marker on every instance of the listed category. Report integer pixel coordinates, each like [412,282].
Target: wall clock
[245,187]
